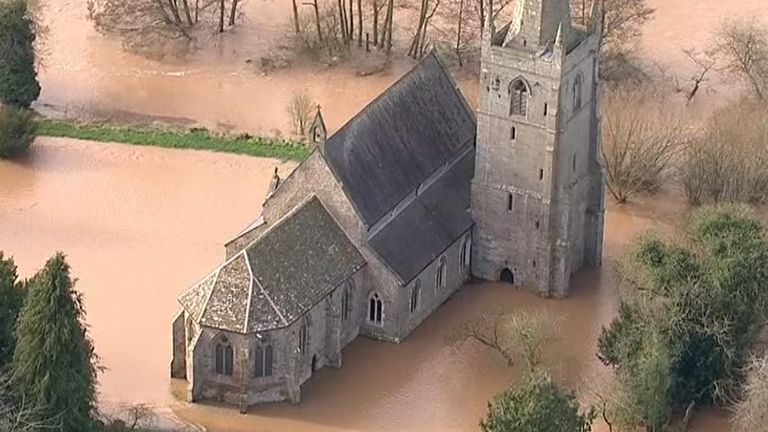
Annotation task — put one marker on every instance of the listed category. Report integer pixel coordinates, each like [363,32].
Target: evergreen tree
[18,77]
[538,405]
[54,365]
[11,299]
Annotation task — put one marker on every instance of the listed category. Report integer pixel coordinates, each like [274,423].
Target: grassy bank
[198,139]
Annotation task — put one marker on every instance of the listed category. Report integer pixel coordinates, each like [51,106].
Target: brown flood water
[86,73]
[139,224]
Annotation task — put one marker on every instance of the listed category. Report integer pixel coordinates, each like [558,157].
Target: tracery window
[375,309]
[519,98]
[263,357]
[223,357]
[415,296]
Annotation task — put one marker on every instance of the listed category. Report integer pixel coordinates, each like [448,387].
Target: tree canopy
[702,297]
[538,405]
[18,76]
[11,299]
[53,367]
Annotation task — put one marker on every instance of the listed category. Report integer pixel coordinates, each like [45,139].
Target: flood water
[86,73]
[139,224]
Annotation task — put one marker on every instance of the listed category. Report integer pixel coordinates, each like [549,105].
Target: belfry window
[375,309]
[577,84]
[223,357]
[519,98]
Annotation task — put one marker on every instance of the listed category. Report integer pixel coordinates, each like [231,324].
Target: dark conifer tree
[18,76]
[54,365]
[11,299]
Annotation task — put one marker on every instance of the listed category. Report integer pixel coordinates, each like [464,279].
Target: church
[395,211]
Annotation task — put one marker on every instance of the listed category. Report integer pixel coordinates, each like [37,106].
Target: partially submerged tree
[641,142]
[538,405]
[18,76]
[703,297]
[743,45]
[728,160]
[54,365]
[512,335]
[155,27]
[300,109]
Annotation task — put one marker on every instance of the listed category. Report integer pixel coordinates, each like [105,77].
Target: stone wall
[537,191]
[457,273]
[327,336]
[179,360]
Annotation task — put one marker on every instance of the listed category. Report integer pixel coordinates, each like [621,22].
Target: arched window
[190,330]
[346,300]
[263,357]
[224,357]
[466,253]
[304,335]
[577,85]
[375,309]
[519,93]
[415,295]
[440,275]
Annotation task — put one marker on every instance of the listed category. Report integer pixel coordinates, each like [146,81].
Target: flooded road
[88,74]
[140,224]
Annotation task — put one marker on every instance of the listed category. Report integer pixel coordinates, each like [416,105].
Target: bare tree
[641,141]
[153,27]
[743,44]
[16,414]
[704,65]
[300,109]
[728,160]
[751,411]
[426,12]
[510,334]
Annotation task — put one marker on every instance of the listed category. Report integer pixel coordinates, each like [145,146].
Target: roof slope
[400,139]
[291,267]
[434,220]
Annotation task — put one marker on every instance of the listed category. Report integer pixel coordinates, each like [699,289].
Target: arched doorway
[507,276]
[314,363]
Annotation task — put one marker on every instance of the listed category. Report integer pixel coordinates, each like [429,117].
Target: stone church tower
[537,194]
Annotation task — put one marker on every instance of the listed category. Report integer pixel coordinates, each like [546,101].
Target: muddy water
[87,73]
[140,224]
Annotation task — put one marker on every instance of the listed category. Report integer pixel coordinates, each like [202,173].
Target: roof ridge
[210,294]
[250,294]
[381,95]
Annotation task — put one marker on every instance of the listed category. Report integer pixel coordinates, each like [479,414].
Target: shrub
[17,131]
[641,140]
[728,160]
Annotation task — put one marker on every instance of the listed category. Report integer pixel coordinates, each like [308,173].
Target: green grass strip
[198,139]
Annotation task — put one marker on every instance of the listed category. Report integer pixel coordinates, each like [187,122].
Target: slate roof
[434,220]
[401,138]
[292,266]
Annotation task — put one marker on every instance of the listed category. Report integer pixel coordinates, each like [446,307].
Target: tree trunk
[425,27]
[390,11]
[458,36]
[344,22]
[232,13]
[221,16]
[482,14]
[296,27]
[376,22]
[197,11]
[187,13]
[359,23]
[351,17]
[414,48]
[317,21]
[174,11]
